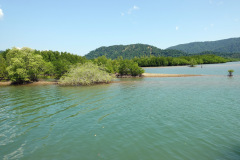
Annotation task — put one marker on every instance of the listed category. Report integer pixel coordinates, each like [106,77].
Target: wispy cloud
[130,10]
[1,13]
[135,7]
[177,28]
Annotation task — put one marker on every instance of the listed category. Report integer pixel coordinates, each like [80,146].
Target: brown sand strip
[5,83]
[143,75]
[168,75]
[32,84]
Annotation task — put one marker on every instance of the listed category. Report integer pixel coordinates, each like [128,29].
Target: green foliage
[85,74]
[61,66]
[226,55]
[230,72]
[49,69]
[61,61]
[111,66]
[192,62]
[153,61]
[4,53]
[3,66]
[131,51]
[23,65]
[226,47]
[129,67]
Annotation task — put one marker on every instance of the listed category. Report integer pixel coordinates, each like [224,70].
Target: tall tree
[3,66]
[23,65]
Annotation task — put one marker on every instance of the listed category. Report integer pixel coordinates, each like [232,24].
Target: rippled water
[143,118]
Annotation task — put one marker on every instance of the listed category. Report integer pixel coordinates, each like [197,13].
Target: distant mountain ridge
[231,45]
[226,48]
[131,51]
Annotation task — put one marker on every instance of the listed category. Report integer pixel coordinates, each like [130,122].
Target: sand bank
[143,75]
[168,75]
[32,84]
[5,83]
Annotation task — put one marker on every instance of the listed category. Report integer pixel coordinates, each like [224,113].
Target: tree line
[46,63]
[153,61]
[25,64]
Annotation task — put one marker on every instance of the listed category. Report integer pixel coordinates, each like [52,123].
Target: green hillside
[226,46]
[131,51]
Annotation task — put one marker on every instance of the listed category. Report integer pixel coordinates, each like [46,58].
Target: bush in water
[85,74]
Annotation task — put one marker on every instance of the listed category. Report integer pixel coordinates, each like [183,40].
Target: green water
[143,118]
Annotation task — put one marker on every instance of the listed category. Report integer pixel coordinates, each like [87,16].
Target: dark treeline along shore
[28,65]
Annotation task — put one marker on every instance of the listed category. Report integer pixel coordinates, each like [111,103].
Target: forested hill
[131,51]
[227,46]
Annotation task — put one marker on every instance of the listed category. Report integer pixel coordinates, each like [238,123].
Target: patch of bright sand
[168,75]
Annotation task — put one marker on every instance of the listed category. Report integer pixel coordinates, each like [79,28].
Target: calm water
[145,118]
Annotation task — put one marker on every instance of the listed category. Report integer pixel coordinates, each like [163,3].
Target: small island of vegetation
[85,74]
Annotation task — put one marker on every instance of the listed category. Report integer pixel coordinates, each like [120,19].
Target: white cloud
[1,13]
[122,14]
[212,25]
[135,7]
[177,28]
[132,9]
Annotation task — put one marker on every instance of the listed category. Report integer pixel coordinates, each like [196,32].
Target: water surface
[143,118]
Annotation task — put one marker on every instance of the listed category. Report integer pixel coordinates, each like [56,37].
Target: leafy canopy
[85,74]
[23,65]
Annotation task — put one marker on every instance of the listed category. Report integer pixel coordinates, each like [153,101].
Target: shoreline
[8,83]
[168,75]
[144,75]
[198,65]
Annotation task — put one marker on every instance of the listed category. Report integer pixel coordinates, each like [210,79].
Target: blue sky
[79,26]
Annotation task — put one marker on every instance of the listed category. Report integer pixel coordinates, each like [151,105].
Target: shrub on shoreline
[85,74]
[129,67]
